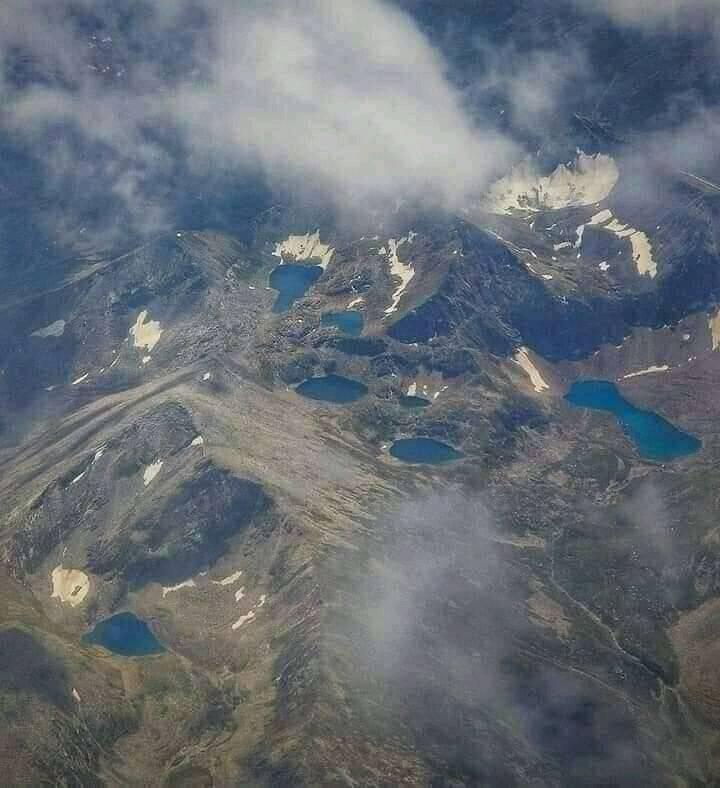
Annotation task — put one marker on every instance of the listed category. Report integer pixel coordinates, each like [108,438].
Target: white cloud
[348,99]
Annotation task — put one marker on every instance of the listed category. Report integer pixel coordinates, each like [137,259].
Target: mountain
[293,499]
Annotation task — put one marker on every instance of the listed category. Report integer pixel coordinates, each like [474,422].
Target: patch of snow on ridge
[81,379]
[230,579]
[56,329]
[151,471]
[305,247]
[404,271]
[244,619]
[648,371]
[185,584]
[71,586]
[522,358]
[587,180]
[714,326]
[145,335]
[199,441]
[641,247]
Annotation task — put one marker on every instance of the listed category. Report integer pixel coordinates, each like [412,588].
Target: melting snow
[99,453]
[641,247]
[648,371]
[244,619]
[404,271]
[151,471]
[56,329]
[207,376]
[145,335]
[522,358]
[76,695]
[240,593]
[586,180]
[230,579]
[305,247]
[714,326]
[185,584]
[563,245]
[71,586]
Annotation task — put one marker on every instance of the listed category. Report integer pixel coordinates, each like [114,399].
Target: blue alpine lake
[655,437]
[292,282]
[426,451]
[349,322]
[124,634]
[332,388]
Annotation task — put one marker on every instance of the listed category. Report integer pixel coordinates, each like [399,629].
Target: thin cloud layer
[347,100]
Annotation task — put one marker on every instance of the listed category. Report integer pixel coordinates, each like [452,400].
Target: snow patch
[170,589]
[305,247]
[412,390]
[404,271]
[563,245]
[522,358]
[151,471]
[356,302]
[77,478]
[145,335]
[714,326]
[199,441]
[584,181]
[648,371]
[56,329]
[70,586]
[230,579]
[244,619]
[641,246]
[81,379]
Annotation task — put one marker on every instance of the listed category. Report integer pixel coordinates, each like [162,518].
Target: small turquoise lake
[332,388]
[349,322]
[124,634]
[292,282]
[425,451]
[655,437]
[412,401]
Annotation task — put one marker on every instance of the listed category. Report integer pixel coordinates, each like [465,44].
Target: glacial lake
[292,282]
[349,322]
[412,401]
[124,634]
[655,437]
[332,388]
[426,451]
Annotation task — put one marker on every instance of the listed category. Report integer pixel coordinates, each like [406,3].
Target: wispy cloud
[349,100]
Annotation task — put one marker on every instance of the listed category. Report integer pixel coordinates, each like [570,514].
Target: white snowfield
[648,371]
[714,326]
[70,586]
[145,335]
[522,358]
[641,247]
[305,247]
[185,584]
[56,329]
[584,181]
[398,269]
[151,471]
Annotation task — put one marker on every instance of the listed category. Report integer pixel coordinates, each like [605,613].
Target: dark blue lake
[411,401]
[124,634]
[332,388]
[423,450]
[654,436]
[350,322]
[292,282]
